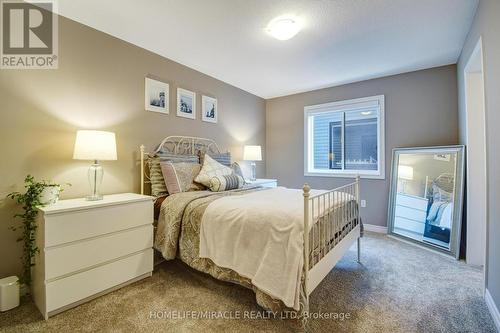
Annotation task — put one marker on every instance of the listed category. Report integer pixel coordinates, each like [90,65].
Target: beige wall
[420,110]
[487,26]
[100,85]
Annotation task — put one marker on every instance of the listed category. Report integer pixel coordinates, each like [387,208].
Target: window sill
[344,175]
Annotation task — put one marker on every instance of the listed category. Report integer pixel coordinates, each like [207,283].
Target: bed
[439,218]
[279,242]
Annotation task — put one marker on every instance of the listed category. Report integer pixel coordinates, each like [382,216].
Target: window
[344,139]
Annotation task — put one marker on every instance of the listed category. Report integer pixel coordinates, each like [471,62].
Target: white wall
[487,26]
[476,169]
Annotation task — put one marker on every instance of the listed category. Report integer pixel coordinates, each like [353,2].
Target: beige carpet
[398,288]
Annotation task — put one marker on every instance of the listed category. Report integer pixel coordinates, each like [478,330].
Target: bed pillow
[226,183]
[211,168]
[179,177]
[158,186]
[223,158]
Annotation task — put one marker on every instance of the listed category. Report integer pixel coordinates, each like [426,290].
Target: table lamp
[252,153]
[405,173]
[95,146]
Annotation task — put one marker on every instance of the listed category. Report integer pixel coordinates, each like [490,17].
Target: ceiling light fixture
[283,28]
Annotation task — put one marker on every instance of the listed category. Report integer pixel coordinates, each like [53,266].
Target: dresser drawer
[412,201]
[76,256]
[76,225]
[410,213]
[80,286]
[409,225]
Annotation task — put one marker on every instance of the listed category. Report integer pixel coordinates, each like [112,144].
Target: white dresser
[263,182]
[88,248]
[410,215]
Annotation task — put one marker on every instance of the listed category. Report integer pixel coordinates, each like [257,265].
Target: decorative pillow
[224,158]
[226,183]
[158,186]
[237,170]
[179,177]
[211,168]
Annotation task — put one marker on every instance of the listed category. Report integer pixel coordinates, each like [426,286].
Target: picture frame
[209,110]
[156,96]
[186,103]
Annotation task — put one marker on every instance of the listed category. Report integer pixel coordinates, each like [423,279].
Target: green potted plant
[37,194]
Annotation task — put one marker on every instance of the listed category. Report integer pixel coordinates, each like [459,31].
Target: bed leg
[359,249]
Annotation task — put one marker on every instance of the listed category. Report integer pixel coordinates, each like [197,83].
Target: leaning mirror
[425,204]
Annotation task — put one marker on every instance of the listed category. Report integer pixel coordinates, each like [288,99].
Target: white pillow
[211,168]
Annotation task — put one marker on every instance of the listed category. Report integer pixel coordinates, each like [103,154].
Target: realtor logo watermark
[29,33]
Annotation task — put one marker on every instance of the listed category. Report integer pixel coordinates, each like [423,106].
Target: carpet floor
[397,288]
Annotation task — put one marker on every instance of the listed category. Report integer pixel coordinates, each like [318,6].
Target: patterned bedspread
[178,236]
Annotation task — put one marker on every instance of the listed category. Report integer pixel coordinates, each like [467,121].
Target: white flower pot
[50,195]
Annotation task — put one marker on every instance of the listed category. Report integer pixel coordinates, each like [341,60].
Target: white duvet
[260,236]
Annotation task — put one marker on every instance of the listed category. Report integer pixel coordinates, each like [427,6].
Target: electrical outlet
[363,203]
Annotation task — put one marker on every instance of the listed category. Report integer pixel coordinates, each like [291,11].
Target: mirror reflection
[425,195]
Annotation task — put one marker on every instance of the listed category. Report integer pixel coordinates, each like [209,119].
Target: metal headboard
[445,181]
[187,145]
[178,145]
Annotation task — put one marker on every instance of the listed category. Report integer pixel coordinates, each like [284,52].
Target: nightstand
[271,183]
[89,248]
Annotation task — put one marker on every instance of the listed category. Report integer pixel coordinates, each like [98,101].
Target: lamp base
[253,176]
[95,175]
[93,197]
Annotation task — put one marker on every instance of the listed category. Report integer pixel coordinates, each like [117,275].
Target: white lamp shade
[95,145]
[405,172]
[252,153]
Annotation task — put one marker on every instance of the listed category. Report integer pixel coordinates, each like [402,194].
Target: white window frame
[343,106]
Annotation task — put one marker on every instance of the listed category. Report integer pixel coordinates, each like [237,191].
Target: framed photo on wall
[209,112]
[156,96]
[186,103]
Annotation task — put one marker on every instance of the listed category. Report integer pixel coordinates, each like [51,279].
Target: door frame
[478,52]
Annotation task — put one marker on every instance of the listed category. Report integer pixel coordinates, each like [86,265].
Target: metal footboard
[331,224]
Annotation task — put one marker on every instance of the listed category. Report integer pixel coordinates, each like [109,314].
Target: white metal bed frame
[325,243]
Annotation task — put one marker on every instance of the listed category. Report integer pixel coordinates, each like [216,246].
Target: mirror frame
[456,231]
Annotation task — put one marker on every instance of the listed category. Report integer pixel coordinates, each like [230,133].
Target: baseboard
[375,228]
[493,309]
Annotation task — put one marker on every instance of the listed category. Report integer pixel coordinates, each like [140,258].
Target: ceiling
[342,41]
